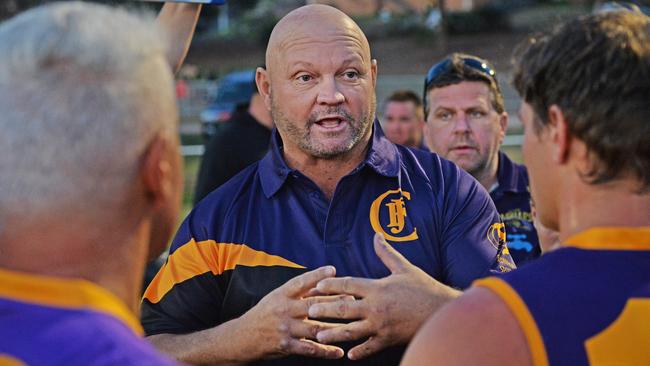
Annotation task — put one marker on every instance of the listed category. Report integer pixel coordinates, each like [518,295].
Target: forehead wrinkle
[293,54]
[314,24]
[306,43]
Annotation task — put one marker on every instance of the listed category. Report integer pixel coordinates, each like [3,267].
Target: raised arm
[179,20]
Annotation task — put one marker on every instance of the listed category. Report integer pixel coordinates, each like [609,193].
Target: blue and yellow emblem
[496,235]
[391,205]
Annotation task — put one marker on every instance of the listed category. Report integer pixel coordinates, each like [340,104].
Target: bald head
[319,83]
[310,25]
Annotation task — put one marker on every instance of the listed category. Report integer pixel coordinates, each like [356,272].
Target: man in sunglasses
[586,116]
[466,123]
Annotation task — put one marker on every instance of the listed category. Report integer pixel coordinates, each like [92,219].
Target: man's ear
[262,79]
[503,126]
[156,171]
[426,133]
[559,134]
[373,71]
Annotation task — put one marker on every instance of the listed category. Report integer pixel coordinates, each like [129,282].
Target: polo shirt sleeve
[187,293]
[473,236]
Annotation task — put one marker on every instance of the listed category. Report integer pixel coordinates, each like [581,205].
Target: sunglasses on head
[442,68]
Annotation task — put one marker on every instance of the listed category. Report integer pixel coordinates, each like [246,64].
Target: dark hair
[404,96]
[459,67]
[596,69]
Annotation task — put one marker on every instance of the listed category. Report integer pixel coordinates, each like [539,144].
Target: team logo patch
[496,235]
[390,209]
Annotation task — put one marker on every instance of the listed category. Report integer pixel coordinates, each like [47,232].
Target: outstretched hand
[387,311]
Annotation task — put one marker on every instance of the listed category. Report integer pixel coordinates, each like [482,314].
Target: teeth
[330,122]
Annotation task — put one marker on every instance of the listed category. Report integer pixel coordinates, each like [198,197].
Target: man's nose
[329,93]
[461,123]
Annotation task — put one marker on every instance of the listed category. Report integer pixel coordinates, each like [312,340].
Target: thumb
[395,262]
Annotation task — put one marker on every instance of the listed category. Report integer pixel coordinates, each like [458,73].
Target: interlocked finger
[367,348]
[300,308]
[346,332]
[340,309]
[300,285]
[305,347]
[309,328]
[358,287]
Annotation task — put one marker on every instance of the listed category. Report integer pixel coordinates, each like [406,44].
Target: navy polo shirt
[270,223]
[512,199]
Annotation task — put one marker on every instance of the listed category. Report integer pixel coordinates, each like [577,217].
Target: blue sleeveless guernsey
[48,321]
[587,303]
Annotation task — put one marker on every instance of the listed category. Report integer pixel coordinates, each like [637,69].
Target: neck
[327,172]
[106,258]
[584,206]
[488,176]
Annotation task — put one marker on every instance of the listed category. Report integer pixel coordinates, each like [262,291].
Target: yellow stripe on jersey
[196,258]
[6,360]
[522,314]
[611,238]
[627,340]
[65,293]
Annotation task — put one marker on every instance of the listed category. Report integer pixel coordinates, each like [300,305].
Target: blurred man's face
[403,124]
[462,126]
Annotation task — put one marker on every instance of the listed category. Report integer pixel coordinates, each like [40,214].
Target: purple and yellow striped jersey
[271,223]
[53,321]
[587,303]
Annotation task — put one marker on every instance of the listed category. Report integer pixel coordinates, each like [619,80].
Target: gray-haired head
[83,90]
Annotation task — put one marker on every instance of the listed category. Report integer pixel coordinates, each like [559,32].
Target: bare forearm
[443,294]
[220,345]
[179,20]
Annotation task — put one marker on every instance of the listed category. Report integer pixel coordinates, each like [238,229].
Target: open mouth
[331,123]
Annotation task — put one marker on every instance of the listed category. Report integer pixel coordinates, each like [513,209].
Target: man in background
[241,141]
[403,119]
[92,178]
[585,113]
[466,122]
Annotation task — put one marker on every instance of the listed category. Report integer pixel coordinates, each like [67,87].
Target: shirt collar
[511,177]
[66,293]
[611,238]
[382,157]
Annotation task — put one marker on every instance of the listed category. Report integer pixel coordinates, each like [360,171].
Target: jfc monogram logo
[394,207]
[496,235]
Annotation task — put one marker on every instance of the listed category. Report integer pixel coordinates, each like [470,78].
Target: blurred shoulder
[478,328]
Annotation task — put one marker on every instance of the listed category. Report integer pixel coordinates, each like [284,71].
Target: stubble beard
[302,136]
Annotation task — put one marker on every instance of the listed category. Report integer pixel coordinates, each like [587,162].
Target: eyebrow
[294,68]
[352,60]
